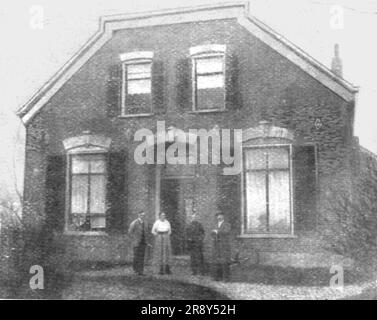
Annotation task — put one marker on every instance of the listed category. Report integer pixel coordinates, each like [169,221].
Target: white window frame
[245,234]
[132,58]
[83,145]
[203,52]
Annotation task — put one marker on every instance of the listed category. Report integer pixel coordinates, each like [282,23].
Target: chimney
[336,63]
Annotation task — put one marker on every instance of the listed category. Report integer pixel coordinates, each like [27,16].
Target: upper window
[209,72]
[267,190]
[208,77]
[138,78]
[137,82]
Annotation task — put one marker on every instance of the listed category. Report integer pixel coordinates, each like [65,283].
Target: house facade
[205,68]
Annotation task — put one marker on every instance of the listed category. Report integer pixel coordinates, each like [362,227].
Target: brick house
[194,68]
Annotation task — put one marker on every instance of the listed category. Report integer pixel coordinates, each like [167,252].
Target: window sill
[85,233]
[208,111]
[137,115]
[266,236]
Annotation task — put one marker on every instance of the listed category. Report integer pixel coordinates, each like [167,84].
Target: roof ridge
[301,51]
[207,12]
[180,9]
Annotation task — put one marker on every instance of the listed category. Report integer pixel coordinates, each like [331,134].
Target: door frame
[158,180]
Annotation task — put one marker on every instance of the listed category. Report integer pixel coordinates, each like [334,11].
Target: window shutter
[232,93]
[304,188]
[116,191]
[158,87]
[184,92]
[55,192]
[113,92]
[229,200]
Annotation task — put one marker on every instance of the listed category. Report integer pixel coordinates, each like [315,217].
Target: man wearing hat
[221,248]
[195,235]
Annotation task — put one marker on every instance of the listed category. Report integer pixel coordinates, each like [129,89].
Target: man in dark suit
[221,249]
[139,233]
[195,236]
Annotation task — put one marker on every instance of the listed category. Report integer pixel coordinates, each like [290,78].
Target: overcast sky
[31,53]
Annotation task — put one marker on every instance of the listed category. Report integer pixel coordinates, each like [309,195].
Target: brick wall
[267,87]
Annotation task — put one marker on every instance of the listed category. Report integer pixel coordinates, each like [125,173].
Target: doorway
[177,203]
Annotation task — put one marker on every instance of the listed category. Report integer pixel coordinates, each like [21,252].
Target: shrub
[46,248]
[350,218]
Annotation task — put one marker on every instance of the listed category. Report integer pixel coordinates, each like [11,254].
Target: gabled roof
[239,11]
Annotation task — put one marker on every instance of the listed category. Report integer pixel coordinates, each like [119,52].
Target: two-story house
[210,67]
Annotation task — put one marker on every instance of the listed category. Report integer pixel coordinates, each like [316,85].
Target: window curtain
[88,191]
[79,194]
[97,201]
[256,202]
[267,174]
[279,202]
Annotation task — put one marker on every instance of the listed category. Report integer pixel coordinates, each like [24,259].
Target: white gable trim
[63,76]
[183,15]
[299,58]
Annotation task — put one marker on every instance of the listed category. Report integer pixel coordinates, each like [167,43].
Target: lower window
[267,190]
[87,192]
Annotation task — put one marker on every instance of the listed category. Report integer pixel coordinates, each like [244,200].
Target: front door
[177,203]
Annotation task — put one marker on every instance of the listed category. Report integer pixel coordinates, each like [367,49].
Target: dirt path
[132,287]
[121,283]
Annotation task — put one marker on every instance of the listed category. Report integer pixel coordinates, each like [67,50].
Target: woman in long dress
[162,247]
